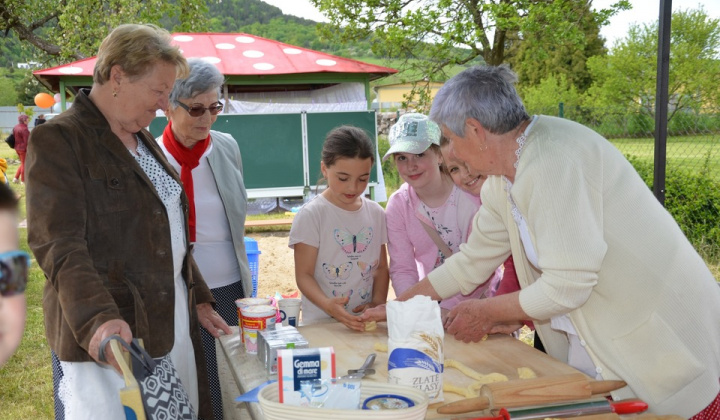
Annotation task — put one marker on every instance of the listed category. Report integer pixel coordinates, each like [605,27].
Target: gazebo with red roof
[250,64]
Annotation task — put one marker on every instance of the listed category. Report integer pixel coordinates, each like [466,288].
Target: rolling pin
[535,391]
[613,416]
[598,407]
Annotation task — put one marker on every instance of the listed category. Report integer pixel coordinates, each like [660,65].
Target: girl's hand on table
[335,307]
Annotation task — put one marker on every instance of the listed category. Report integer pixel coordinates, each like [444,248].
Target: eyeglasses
[197,110]
[13,272]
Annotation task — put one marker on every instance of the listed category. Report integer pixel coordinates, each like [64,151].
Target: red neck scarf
[188,159]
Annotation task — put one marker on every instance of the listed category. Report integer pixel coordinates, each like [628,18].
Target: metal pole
[63,100]
[561,110]
[226,96]
[661,99]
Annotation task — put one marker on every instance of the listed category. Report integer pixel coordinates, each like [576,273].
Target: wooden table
[502,354]
[269,222]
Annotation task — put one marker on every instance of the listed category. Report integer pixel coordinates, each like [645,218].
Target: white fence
[9,115]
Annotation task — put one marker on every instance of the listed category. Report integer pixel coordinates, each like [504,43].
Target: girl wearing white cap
[428,217]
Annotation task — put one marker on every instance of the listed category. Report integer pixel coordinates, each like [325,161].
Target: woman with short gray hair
[210,167]
[612,284]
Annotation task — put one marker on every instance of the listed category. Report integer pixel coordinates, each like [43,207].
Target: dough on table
[526,373]
[472,373]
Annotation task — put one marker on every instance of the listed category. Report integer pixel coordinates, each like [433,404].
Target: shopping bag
[152,389]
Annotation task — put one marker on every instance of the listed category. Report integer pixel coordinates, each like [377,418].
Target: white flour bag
[415,345]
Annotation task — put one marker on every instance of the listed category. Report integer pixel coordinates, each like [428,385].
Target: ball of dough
[370,326]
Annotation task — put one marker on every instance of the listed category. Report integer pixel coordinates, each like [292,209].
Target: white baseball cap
[412,133]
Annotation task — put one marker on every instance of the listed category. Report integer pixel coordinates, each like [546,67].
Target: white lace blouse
[578,357]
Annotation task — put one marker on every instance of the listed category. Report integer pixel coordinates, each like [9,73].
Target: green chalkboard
[320,123]
[271,144]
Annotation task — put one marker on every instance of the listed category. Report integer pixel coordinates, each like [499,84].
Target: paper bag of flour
[415,345]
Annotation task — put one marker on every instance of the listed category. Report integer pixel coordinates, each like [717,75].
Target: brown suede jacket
[101,235]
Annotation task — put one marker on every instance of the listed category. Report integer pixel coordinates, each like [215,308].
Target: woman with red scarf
[210,168]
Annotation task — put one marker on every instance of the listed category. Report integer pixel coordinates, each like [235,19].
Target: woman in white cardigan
[614,287]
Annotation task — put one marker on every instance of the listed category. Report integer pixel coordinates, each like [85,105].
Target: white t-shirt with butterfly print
[348,244]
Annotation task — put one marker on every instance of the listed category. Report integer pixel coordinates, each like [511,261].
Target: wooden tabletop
[501,353]
[269,222]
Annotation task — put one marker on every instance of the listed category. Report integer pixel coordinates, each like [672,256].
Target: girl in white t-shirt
[339,238]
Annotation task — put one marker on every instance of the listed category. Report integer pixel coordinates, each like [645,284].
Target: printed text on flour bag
[409,366]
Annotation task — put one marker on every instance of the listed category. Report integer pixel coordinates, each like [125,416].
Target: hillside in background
[249,16]
[228,16]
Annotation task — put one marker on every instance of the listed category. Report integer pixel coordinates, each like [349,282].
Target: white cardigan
[611,257]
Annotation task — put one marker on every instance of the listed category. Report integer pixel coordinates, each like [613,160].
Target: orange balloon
[44,100]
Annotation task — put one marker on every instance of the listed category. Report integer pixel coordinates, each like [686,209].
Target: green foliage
[615,122]
[693,199]
[290,31]
[390,173]
[12,52]
[545,97]
[28,87]
[534,59]
[640,124]
[236,14]
[626,78]
[431,37]
[8,96]
[684,123]
[73,29]
[22,109]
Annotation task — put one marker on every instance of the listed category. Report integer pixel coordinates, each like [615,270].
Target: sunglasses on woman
[197,110]
[13,272]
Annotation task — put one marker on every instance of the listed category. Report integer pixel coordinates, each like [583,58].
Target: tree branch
[26,33]
[37,24]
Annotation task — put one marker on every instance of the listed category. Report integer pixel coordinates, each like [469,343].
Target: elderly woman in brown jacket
[107,222]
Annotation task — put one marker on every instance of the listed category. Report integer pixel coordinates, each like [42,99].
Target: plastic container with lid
[250,301]
[256,319]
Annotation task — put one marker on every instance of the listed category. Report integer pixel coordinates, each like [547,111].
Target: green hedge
[693,199]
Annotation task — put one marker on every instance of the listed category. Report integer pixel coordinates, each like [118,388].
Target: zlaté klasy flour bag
[415,345]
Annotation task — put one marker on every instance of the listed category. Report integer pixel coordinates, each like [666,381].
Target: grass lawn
[26,380]
[688,152]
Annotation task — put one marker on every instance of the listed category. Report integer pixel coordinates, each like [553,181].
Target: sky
[643,11]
